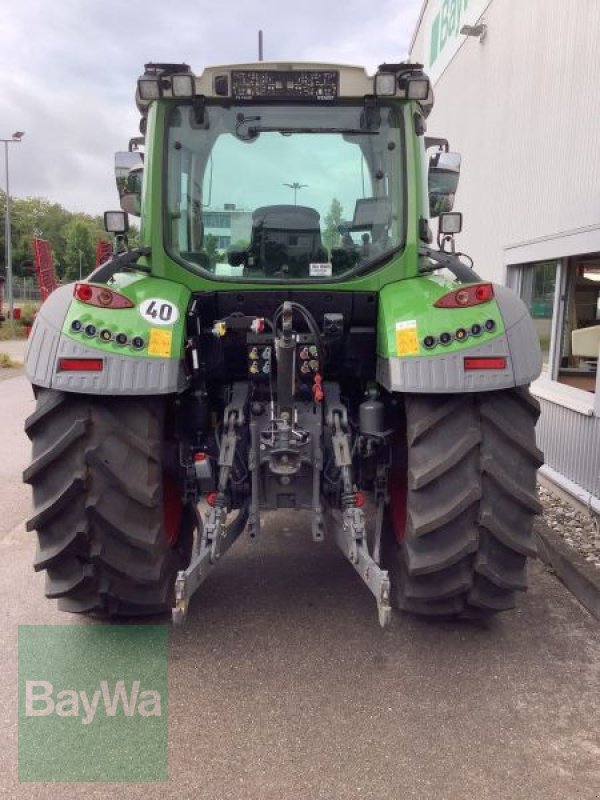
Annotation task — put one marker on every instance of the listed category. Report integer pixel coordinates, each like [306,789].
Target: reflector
[80,365]
[483,362]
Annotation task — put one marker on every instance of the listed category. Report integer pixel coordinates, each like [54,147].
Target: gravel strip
[579,530]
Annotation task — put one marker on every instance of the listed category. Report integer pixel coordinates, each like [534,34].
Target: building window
[217,219]
[538,290]
[580,330]
[563,297]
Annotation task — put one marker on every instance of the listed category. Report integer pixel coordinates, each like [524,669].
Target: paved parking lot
[283,686]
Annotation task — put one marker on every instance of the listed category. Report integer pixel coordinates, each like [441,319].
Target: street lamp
[15,139]
[295,186]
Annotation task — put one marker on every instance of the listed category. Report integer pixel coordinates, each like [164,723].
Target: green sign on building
[443,37]
[446,24]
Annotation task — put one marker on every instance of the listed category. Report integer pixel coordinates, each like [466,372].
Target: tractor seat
[285,238]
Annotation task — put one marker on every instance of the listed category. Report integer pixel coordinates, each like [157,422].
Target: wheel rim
[172,509]
[398,490]
[398,482]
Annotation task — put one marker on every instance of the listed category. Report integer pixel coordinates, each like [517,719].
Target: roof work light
[417,88]
[183,85]
[149,88]
[385,84]
[405,80]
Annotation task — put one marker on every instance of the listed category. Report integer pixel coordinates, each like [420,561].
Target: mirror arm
[446,238]
[451,262]
[136,143]
[118,263]
[434,141]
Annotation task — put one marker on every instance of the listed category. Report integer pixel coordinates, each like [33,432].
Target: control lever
[285,353]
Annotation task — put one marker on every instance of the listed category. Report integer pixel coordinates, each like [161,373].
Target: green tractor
[284,338]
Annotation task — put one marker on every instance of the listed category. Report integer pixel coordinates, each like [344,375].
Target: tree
[81,245]
[211,248]
[331,234]
[33,216]
[37,216]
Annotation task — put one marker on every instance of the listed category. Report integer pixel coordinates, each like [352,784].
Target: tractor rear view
[284,338]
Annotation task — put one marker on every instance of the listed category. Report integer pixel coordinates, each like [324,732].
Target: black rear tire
[470,503]
[109,535]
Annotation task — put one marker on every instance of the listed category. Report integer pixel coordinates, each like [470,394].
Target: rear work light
[467,296]
[80,365]
[483,362]
[100,296]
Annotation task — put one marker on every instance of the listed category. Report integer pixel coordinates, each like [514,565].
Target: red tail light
[80,365]
[467,296]
[489,362]
[100,296]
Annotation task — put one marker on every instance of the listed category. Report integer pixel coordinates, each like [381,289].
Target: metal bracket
[189,580]
[350,531]
[353,545]
[381,500]
[254,467]
[215,537]
[318,532]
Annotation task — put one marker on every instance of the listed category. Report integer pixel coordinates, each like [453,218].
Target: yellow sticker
[407,342]
[160,342]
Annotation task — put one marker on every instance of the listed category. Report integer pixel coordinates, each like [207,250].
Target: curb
[580,577]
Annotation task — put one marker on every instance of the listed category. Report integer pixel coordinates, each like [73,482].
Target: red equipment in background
[103,252]
[44,266]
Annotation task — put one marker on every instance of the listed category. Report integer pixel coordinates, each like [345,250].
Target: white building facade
[518,94]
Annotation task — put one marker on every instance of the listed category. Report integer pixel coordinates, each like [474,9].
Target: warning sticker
[323,270]
[407,342]
[160,342]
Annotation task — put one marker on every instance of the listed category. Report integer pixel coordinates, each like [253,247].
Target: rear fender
[407,316]
[157,367]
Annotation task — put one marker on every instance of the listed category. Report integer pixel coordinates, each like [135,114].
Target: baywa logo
[40,701]
[446,24]
[93,703]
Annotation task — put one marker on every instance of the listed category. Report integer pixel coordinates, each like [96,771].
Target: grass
[6,362]
[8,331]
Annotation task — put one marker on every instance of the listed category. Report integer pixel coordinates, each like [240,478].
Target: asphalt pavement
[282,685]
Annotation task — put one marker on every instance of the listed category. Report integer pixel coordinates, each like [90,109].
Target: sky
[68,70]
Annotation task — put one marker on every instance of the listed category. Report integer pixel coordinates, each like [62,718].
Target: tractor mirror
[444,172]
[129,173]
[372,212]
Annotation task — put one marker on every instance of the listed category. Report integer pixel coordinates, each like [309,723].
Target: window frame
[384,260]
[547,386]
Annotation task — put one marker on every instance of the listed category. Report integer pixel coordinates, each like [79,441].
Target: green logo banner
[442,24]
[445,25]
[93,703]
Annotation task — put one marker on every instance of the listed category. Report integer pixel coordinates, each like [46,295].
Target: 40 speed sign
[159,312]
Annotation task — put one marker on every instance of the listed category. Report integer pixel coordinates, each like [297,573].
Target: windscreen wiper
[254,130]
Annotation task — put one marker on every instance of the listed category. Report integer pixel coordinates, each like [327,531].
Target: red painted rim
[172,509]
[398,492]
